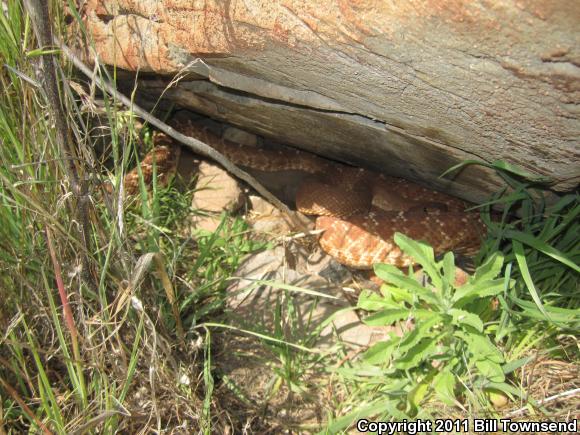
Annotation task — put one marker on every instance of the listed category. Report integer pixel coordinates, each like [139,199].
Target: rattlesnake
[359,210]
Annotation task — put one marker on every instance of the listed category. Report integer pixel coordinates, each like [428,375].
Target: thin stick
[569,393]
[24,407]
[46,74]
[196,145]
[66,310]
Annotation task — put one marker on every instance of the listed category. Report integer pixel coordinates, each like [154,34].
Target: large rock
[410,88]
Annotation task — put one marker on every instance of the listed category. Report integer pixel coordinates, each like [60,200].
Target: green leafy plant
[538,235]
[445,345]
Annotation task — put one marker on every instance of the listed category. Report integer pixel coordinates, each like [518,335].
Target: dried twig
[561,395]
[46,74]
[66,310]
[197,146]
[14,394]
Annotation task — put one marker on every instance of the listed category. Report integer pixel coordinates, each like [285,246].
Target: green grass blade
[540,246]
[523,265]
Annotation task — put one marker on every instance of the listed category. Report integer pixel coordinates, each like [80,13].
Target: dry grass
[120,361]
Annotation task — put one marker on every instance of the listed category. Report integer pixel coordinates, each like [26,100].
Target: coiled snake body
[359,210]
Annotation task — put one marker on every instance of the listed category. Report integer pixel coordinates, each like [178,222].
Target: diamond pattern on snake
[359,210]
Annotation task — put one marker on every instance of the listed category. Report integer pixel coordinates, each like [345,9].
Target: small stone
[498,399]
[216,192]
[320,263]
[206,223]
[461,277]
[253,302]
[261,207]
[266,218]
[353,332]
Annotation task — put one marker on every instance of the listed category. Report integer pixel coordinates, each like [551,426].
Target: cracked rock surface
[409,88]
